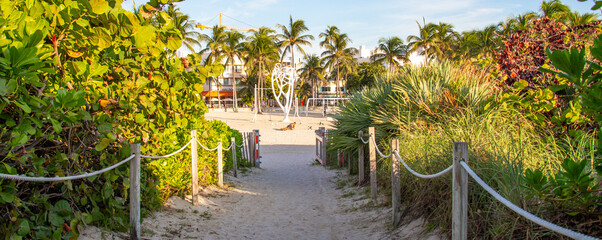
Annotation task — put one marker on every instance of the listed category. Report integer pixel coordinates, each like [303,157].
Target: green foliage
[78,81]
[429,108]
[365,76]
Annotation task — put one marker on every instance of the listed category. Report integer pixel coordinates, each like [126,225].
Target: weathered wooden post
[220,166]
[257,155]
[195,167]
[249,149]
[360,159]
[252,147]
[234,162]
[135,192]
[323,145]
[339,158]
[460,193]
[395,184]
[349,158]
[372,150]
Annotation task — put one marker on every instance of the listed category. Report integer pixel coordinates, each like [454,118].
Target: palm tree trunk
[260,90]
[234,97]
[337,83]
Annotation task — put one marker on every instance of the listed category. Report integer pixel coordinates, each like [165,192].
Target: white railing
[460,171]
[134,160]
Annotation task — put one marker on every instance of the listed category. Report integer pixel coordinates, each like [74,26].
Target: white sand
[290,197]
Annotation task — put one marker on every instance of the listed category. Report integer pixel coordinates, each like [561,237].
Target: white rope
[378,150]
[228,149]
[419,174]
[168,155]
[206,148]
[364,141]
[522,212]
[53,179]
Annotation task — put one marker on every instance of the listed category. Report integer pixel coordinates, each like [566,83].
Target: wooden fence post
[234,162]
[372,149]
[339,158]
[395,184]
[135,192]
[360,160]
[257,155]
[249,149]
[252,148]
[460,193]
[349,158]
[220,167]
[195,167]
[323,145]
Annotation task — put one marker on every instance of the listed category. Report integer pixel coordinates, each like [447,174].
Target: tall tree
[215,42]
[187,27]
[260,53]
[576,18]
[445,36]
[232,49]
[423,42]
[312,70]
[336,52]
[554,9]
[392,52]
[329,34]
[292,38]
[214,47]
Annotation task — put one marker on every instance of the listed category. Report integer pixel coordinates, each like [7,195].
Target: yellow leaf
[104,103]
[74,54]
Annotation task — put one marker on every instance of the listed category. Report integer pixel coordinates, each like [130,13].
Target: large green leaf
[104,143]
[99,6]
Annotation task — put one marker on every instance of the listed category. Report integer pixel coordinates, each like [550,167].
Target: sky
[364,21]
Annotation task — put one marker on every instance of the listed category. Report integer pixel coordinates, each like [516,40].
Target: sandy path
[290,197]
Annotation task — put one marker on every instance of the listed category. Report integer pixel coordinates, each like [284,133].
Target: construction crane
[248,29]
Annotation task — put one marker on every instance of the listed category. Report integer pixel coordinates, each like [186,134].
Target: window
[325,89]
[237,68]
[225,81]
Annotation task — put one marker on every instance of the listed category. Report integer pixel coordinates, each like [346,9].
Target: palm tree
[337,52]
[392,52]
[215,43]
[576,18]
[328,35]
[445,36]
[214,46]
[232,49]
[423,42]
[292,37]
[554,9]
[312,70]
[520,22]
[261,52]
[182,22]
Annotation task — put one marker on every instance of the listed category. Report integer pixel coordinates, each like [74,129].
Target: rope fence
[460,172]
[134,160]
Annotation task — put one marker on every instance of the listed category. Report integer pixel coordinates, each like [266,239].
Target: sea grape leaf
[99,6]
[104,143]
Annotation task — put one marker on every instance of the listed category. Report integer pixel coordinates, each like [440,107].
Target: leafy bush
[79,80]
[427,109]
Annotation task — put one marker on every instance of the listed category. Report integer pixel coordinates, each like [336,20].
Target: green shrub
[427,109]
[79,80]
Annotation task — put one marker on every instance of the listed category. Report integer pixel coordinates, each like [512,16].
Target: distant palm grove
[264,47]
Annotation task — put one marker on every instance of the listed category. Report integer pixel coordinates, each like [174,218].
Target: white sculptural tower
[283,82]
